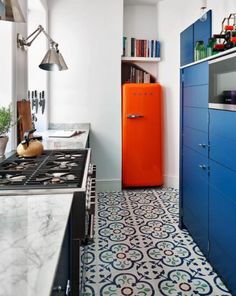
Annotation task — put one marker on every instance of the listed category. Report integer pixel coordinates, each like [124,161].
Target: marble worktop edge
[32,229]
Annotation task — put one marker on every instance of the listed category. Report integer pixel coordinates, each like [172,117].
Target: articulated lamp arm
[21,41]
[53,60]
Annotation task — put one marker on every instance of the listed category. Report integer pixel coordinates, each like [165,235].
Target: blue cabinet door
[195,196]
[186,46]
[222,223]
[223,137]
[196,75]
[196,118]
[197,140]
[196,96]
[202,30]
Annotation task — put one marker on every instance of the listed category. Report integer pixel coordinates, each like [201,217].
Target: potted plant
[5,125]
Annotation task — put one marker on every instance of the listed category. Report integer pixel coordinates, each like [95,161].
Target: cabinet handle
[202,166]
[203,145]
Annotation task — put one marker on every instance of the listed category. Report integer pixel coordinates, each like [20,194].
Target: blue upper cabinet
[197,31]
[203,30]
[186,46]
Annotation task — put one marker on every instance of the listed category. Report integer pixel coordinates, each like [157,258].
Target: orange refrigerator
[142,134]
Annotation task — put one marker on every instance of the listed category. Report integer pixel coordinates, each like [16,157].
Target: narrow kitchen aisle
[140,250]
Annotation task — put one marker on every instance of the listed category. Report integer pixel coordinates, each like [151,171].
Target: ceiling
[147,2]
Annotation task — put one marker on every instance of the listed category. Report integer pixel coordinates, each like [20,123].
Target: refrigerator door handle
[134,116]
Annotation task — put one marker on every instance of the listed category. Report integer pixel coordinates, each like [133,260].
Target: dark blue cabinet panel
[196,96]
[202,30]
[186,46]
[196,118]
[196,75]
[223,137]
[223,123]
[195,196]
[196,140]
[222,222]
[197,31]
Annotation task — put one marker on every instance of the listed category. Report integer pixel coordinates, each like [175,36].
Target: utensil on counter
[42,101]
[30,146]
[35,101]
[25,119]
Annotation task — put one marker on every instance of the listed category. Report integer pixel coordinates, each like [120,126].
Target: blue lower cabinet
[223,137]
[222,223]
[195,196]
[197,140]
[196,96]
[196,118]
[196,75]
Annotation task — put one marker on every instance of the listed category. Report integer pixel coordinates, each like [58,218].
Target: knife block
[25,118]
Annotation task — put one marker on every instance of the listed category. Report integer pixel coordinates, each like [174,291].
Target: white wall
[89,34]
[38,78]
[174,17]
[140,21]
[13,71]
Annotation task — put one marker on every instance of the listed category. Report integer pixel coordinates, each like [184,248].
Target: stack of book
[133,47]
[138,76]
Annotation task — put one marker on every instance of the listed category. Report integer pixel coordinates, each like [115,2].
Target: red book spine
[145,48]
[136,47]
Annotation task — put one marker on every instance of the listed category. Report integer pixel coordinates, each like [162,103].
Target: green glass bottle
[210,46]
[199,51]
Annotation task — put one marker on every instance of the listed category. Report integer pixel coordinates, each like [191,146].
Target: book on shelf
[138,76]
[133,47]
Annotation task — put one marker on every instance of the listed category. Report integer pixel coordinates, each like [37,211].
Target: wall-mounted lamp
[203,13]
[53,59]
[10,11]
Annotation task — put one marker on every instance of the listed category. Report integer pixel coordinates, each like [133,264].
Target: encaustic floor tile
[139,249]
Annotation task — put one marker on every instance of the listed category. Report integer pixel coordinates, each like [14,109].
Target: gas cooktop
[53,169]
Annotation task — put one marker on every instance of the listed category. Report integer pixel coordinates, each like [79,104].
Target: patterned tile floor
[139,249]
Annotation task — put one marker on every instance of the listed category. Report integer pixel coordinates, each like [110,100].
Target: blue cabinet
[222,222]
[197,31]
[195,139]
[208,165]
[186,46]
[196,75]
[195,196]
[196,96]
[223,138]
[202,30]
[194,167]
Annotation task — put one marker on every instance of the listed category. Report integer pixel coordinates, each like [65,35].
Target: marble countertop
[75,142]
[31,234]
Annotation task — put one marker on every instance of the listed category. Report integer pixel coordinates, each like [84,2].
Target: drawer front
[222,138]
[223,123]
[223,150]
[222,222]
[195,196]
[196,74]
[196,140]
[196,96]
[196,118]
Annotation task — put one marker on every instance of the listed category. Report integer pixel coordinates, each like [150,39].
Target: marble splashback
[31,234]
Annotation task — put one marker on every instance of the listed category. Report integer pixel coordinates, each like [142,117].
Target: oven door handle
[91,227]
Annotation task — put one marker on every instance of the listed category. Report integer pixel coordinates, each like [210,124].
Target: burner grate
[52,169]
